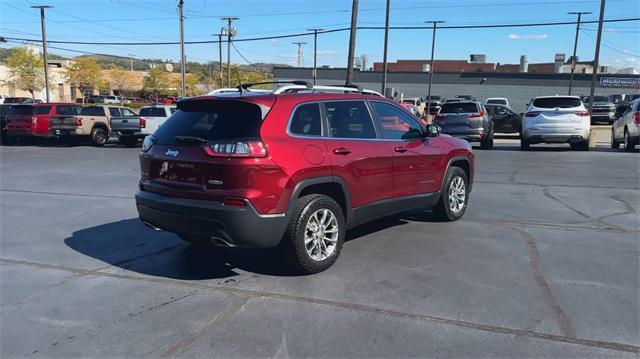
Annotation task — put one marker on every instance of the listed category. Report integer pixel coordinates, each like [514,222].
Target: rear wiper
[192,139]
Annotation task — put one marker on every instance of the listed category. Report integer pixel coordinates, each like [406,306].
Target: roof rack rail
[295,82]
[326,88]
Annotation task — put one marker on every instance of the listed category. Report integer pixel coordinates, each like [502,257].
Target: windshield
[497,100]
[560,102]
[462,107]
[153,112]
[92,111]
[598,99]
[212,121]
[68,110]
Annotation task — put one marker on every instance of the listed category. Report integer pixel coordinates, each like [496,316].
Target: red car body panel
[35,124]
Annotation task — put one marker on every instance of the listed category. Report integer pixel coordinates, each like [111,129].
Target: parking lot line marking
[353,306]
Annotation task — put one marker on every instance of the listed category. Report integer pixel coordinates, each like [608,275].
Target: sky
[157,21]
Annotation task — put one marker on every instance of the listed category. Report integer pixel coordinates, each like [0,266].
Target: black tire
[294,240]
[3,137]
[580,146]
[128,141]
[195,240]
[629,144]
[442,210]
[524,144]
[487,144]
[99,136]
[614,144]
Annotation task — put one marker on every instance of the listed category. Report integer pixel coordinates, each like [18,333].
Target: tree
[121,81]
[25,70]
[85,73]
[157,82]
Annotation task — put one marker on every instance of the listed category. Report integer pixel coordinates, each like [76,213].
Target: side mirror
[433,130]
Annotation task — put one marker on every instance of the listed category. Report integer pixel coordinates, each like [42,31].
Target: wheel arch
[332,186]
[463,163]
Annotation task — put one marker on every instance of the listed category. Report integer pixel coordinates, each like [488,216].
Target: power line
[538,24]
[621,50]
[241,55]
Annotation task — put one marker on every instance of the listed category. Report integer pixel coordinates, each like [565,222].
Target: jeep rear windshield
[560,102]
[212,121]
[459,107]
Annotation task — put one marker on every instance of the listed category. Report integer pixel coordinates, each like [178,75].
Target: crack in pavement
[351,306]
[183,344]
[545,191]
[534,260]
[564,226]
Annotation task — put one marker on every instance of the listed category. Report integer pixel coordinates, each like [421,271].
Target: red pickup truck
[28,120]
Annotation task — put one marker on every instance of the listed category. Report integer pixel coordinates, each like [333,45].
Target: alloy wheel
[321,234]
[457,195]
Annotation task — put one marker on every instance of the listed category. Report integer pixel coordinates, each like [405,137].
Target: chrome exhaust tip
[152,226]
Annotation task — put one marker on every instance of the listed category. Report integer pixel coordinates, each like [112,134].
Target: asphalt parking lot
[544,264]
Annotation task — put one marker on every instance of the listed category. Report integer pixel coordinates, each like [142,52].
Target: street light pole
[183,65]
[352,41]
[433,45]
[315,53]
[44,48]
[386,43]
[575,45]
[596,59]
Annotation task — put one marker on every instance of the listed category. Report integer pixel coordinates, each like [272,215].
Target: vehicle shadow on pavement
[131,246]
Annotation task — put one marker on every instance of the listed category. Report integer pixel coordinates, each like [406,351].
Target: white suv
[556,119]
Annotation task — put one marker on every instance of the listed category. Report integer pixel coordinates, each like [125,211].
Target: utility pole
[315,54]
[386,43]
[44,48]
[575,45]
[433,46]
[220,56]
[299,51]
[230,32]
[596,59]
[131,58]
[352,41]
[183,91]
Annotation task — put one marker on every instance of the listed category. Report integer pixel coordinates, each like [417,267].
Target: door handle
[341,151]
[400,149]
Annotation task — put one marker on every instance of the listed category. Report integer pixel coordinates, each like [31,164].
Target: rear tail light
[143,122]
[236,149]
[238,202]
[532,114]
[582,113]
[636,117]
[78,121]
[34,120]
[473,115]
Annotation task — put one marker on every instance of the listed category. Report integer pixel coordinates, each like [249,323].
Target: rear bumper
[230,225]
[556,135]
[131,133]
[13,133]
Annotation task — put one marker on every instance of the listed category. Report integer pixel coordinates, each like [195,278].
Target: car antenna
[240,87]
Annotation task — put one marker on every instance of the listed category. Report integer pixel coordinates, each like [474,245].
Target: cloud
[631,59]
[527,37]
[327,53]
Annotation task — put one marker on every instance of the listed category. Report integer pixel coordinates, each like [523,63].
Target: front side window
[127,112]
[306,121]
[395,123]
[349,119]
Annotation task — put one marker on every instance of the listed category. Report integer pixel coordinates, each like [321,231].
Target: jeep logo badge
[172,153]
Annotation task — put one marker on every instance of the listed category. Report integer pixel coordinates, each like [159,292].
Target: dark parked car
[249,169]
[468,120]
[505,119]
[434,102]
[603,109]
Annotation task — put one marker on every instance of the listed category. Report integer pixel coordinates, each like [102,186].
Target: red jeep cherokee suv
[255,169]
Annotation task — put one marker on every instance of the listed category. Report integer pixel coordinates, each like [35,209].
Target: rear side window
[306,121]
[92,111]
[212,121]
[153,112]
[461,107]
[395,123]
[553,102]
[20,110]
[114,111]
[68,110]
[349,119]
[41,110]
[127,112]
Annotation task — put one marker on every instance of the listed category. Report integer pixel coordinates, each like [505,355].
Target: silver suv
[556,119]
